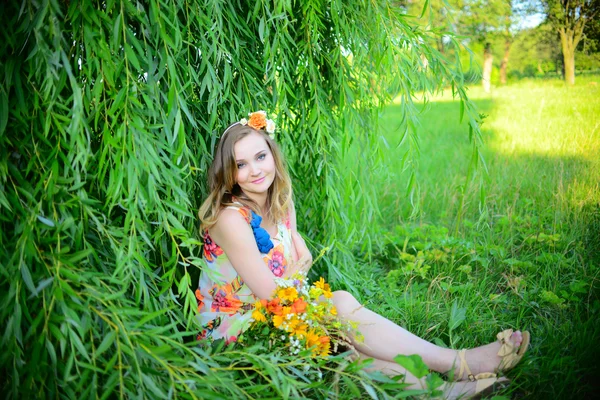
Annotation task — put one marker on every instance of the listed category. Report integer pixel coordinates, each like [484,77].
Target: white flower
[270,126]
[262,112]
[284,283]
[243,121]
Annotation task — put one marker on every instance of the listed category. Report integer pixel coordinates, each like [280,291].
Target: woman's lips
[259,180]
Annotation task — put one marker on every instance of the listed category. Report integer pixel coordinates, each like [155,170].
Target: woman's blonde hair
[223,186]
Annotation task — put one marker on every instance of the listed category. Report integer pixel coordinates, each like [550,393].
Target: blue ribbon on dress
[262,237]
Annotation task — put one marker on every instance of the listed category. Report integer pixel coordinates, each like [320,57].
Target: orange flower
[274,307]
[299,306]
[258,120]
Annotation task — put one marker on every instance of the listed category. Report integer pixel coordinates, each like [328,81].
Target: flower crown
[257,120]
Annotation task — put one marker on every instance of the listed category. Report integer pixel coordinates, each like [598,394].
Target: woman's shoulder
[233,213]
[229,219]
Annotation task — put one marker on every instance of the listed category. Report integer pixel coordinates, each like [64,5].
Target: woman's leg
[384,340]
[453,390]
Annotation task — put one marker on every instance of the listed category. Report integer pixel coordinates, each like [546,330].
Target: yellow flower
[315,293]
[312,339]
[321,284]
[325,346]
[324,286]
[292,323]
[289,294]
[333,310]
[258,316]
[298,327]
[278,320]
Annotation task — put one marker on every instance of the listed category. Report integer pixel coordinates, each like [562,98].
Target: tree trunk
[487,67]
[504,64]
[568,50]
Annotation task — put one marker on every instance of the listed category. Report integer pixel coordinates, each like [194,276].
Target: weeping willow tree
[109,113]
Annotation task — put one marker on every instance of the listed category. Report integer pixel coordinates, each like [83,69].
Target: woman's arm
[235,237]
[301,251]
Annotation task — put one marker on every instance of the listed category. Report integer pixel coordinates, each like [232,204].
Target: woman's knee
[345,302]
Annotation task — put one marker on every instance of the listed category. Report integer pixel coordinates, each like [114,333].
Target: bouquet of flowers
[301,317]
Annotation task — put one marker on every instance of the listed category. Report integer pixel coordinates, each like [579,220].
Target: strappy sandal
[483,387]
[487,386]
[508,353]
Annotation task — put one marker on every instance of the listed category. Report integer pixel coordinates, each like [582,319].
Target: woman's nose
[254,169]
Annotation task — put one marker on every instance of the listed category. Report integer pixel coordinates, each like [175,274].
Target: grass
[529,259]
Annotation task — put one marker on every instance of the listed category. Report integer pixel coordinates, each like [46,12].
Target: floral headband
[257,120]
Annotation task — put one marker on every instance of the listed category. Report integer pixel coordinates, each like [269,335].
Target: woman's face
[255,164]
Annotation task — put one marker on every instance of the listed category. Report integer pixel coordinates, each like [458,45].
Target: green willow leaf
[106,343]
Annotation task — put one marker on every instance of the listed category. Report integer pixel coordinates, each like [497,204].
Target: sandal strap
[509,354]
[485,375]
[464,366]
[484,383]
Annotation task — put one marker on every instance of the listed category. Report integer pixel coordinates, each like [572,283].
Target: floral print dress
[224,300]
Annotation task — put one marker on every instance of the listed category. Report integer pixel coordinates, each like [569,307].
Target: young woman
[250,237]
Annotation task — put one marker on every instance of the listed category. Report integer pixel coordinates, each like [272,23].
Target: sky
[531,21]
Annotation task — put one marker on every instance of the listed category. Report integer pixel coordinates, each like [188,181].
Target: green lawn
[529,259]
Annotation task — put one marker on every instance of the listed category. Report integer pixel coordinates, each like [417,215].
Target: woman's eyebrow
[257,153]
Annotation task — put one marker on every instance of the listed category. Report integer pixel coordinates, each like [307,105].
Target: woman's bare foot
[485,358]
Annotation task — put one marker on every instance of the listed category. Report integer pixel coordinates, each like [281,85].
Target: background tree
[536,52]
[482,21]
[569,18]
[109,114]
[508,39]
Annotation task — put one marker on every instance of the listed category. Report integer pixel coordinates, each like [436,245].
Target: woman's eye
[240,165]
[262,157]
